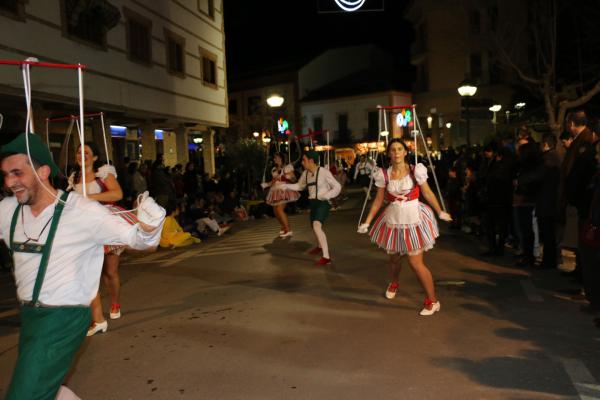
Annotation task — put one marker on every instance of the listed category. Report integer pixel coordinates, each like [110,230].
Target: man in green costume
[322,187]
[56,240]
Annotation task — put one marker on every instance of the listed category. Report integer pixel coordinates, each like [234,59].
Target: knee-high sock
[321,238]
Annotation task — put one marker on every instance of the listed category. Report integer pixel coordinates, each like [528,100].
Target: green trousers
[319,210]
[49,339]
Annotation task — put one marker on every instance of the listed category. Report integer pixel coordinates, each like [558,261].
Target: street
[248,316]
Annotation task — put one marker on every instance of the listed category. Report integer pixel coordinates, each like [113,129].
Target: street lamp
[495,108]
[255,134]
[275,100]
[466,90]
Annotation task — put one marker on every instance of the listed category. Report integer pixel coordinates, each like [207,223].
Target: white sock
[321,238]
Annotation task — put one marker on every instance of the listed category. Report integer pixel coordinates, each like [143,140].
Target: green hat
[313,155]
[39,151]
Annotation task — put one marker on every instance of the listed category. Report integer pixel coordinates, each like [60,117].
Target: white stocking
[321,238]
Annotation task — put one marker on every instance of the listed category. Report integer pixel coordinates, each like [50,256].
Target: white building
[151,66]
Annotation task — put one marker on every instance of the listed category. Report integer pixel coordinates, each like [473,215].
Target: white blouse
[402,212]
[92,187]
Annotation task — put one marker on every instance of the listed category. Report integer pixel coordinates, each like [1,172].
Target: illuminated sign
[283,126]
[344,6]
[404,118]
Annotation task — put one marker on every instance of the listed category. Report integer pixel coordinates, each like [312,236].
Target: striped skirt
[129,217]
[278,196]
[406,239]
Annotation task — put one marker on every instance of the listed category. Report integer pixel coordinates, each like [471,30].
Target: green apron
[319,209]
[50,335]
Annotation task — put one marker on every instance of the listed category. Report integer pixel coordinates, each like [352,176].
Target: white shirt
[363,168]
[328,187]
[73,272]
[92,187]
[401,212]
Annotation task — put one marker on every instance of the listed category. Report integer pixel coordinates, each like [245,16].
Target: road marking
[583,381]
[531,291]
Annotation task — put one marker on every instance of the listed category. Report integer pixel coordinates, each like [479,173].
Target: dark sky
[264,33]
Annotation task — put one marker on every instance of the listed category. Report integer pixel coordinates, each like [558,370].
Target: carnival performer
[57,239]
[362,174]
[406,227]
[102,186]
[279,197]
[322,187]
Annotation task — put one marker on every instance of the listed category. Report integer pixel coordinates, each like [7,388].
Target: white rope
[69,130]
[104,138]
[29,127]
[437,185]
[372,170]
[82,130]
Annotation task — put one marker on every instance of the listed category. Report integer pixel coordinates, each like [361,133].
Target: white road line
[583,381]
[531,291]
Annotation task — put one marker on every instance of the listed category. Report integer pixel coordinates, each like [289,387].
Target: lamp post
[466,90]
[495,108]
[274,101]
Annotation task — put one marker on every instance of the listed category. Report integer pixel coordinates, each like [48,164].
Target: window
[422,81]
[233,106]
[89,21]
[175,53]
[207,7]
[475,66]
[139,37]
[373,119]
[317,123]
[475,22]
[254,103]
[13,9]
[493,16]
[211,8]
[344,135]
[209,68]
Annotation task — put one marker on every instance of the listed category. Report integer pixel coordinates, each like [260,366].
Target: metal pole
[468,121]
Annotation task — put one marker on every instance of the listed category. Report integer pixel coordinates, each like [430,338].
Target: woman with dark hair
[407,227]
[102,186]
[278,196]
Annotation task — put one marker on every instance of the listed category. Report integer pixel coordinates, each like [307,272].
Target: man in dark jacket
[546,207]
[577,170]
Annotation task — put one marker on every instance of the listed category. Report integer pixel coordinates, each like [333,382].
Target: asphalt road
[249,316]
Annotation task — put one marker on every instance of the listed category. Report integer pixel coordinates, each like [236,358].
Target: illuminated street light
[466,90]
[429,121]
[256,134]
[266,139]
[275,100]
[520,105]
[448,125]
[384,133]
[495,108]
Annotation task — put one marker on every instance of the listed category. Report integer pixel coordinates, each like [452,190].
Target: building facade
[155,69]
[453,41]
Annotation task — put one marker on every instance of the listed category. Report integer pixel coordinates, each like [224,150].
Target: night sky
[268,33]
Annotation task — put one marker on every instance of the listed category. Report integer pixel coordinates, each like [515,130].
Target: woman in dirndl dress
[279,197]
[406,227]
[102,186]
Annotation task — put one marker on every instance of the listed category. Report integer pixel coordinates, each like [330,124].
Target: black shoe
[525,262]
[589,309]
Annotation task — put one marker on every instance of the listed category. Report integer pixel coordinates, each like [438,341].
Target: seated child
[173,235]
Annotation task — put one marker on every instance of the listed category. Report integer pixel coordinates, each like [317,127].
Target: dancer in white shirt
[57,247]
[278,197]
[406,227]
[322,187]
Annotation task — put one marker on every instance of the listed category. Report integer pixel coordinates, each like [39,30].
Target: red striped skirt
[129,217]
[406,239]
[279,196]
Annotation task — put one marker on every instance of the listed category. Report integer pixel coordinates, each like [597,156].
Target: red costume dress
[406,226]
[276,194]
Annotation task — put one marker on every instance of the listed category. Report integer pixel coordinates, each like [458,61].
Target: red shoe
[316,251]
[323,261]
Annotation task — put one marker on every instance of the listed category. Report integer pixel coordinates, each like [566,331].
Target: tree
[547,51]
[246,157]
